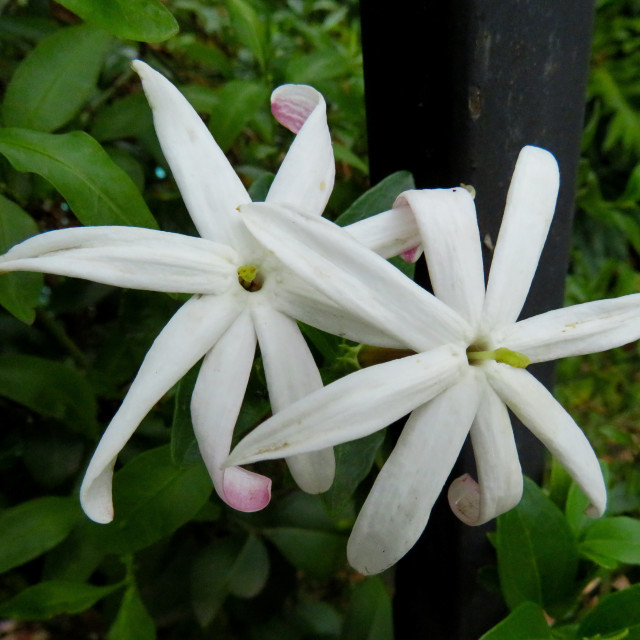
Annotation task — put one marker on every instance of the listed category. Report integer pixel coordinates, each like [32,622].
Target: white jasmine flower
[463,386]
[242,294]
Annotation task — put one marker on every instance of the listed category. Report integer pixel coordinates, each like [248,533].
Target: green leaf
[19,292]
[237,102]
[133,621]
[319,553]
[616,612]
[537,554]
[123,118]
[33,527]
[613,539]
[97,190]
[143,20]
[377,199]
[353,462]
[48,599]
[318,66]
[152,498]
[51,389]
[231,565]
[526,622]
[56,79]
[370,615]
[249,28]
[184,446]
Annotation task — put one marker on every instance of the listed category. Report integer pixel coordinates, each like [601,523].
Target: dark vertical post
[454,90]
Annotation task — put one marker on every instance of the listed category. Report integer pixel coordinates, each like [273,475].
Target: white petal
[208,184]
[313,308]
[305,179]
[397,509]
[582,328]
[128,257]
[292,374]
[363,283]
[215,405]
[191,332]
[528,213]
[499,486]
[543,415]
[354,406]
[448,226]
[389,233]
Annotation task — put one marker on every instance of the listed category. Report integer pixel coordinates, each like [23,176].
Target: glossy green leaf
[31,528]
[56,79]
[237,102]
[369,616]
[143,20]
[53,598]
[616,612]
[133,621]
[319,66]
[232,565]
[615,539]
[19,292]
[152,498]
[184,447]
[249,27]
[353,462]
[97,190]
[123,118]
[319,553]
[526,622]
[537,553]
[377,199]
[51,389]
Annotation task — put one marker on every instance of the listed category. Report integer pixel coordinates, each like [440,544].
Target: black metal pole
[454,91]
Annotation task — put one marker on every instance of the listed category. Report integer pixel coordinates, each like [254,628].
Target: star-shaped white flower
[466,384]
[242,294]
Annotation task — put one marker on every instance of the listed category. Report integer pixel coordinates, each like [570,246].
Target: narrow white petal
[499,486]
[577,330]
[528,213]
[209,186]
[540,412]
[354,406]
[448,226]
[312,307]
[215,405]
[191,332]
[364,284]
[389,233]
[292,374]
[398,507]
[305,179]
[128,257]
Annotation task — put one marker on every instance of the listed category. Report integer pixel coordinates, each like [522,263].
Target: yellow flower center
[249,277]
[502,355]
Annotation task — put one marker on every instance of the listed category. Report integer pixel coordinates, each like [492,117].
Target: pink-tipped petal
[464,499]
[306,175]
[246,491]
[390,233]
[412,255]
[292,374]
[292,104]
[215,405]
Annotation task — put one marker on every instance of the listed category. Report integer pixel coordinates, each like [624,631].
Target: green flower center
[249,277]
[502,355]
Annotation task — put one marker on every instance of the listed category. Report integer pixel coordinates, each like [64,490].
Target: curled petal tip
[292,104]
[246,491]
[464,499]
[593,511]
[411,255]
